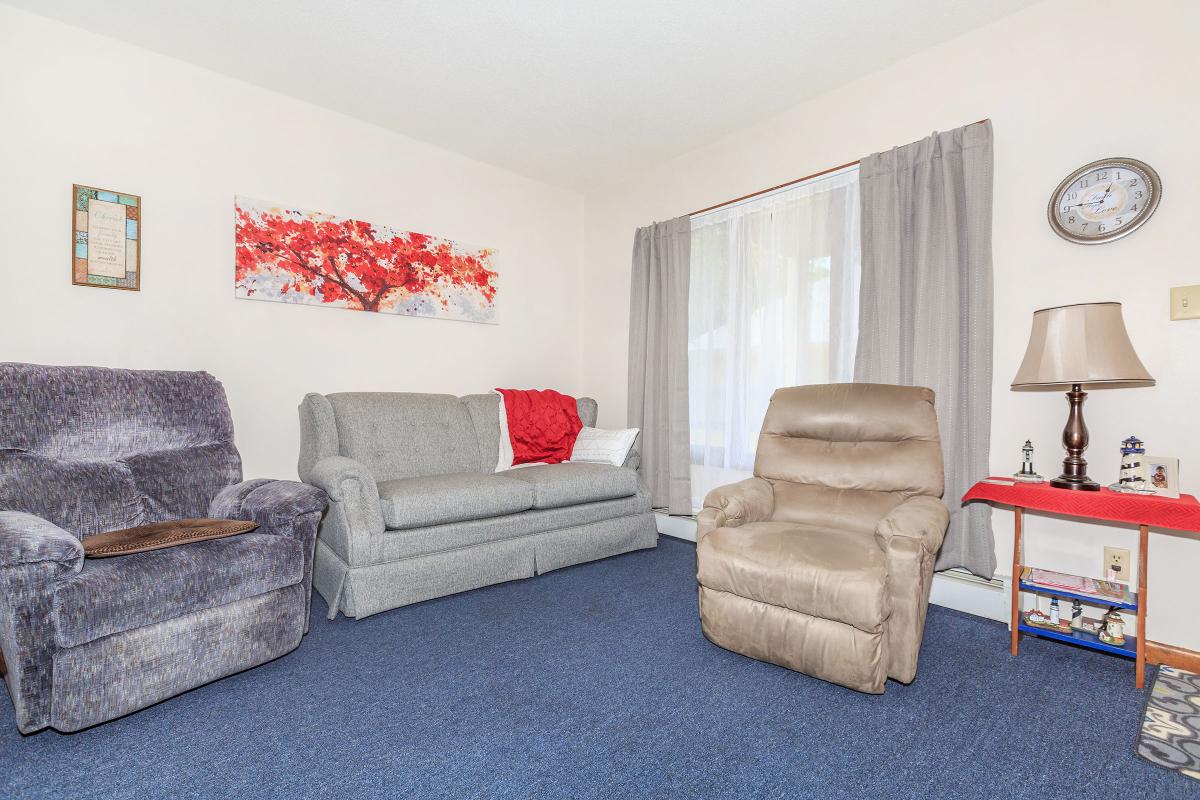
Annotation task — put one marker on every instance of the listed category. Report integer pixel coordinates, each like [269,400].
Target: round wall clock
[1104,200]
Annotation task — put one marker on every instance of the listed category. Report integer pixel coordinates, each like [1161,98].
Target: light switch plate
[1185,302]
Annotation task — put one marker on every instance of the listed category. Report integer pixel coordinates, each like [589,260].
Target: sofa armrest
[751,500]
[343,477]
[633,459]
[29,539]
[921,519]
[355,515]
[34,555]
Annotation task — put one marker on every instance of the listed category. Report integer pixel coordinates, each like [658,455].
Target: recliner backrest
[93,449]
[845,454]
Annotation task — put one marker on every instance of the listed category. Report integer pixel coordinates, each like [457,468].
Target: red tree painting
[290,255]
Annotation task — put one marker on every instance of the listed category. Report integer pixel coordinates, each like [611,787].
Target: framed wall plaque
[106,245]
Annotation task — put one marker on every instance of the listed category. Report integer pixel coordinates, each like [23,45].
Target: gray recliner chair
[85,450]
[822,562]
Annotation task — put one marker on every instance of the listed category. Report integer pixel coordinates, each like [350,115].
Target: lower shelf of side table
[1084,639]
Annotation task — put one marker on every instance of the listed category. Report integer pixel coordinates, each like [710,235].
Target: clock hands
[1099,202]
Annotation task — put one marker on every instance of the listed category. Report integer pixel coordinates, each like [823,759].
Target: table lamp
[1076,346]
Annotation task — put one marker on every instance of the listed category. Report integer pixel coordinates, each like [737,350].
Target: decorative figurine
[1038,619]
[1112,628]
[1027,473]
[1076,615]
[1134,474]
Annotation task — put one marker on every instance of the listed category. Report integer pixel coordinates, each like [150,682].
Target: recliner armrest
[751,500]
[273,504]
[29,539]
[922,519]
[34,555]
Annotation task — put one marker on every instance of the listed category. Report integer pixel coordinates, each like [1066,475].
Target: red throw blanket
[542,424]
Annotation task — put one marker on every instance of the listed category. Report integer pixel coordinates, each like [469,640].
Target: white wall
[187,140]
[1064,83]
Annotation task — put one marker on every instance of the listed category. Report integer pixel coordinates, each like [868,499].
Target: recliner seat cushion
[837,575]
[558,485]
[112,595]
[458,497]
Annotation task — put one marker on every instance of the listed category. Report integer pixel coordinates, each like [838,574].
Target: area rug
[1170,735]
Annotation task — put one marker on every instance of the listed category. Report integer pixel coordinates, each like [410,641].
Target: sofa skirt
[362,591]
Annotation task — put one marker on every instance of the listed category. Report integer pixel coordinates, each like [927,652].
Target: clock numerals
[1104,200]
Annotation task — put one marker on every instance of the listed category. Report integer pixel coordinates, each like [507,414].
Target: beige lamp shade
[1085,343]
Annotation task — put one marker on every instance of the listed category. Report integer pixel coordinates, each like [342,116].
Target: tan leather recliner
[822,561]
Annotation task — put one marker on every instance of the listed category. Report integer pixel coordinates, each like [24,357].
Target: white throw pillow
[598,446]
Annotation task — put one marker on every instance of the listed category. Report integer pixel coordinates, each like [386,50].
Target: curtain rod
[792,182]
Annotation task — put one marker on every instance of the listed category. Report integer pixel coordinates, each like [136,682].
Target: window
[773,302]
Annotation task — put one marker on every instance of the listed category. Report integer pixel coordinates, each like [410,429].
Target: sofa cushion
[438,499]
[832,574]
[556,485]
[393,545]
[399,435]
[111,595]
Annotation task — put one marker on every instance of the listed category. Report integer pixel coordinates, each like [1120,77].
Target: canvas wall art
[290,255]
[106,248]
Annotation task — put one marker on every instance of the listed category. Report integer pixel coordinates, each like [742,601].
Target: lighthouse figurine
[1027,473]
[1134,474]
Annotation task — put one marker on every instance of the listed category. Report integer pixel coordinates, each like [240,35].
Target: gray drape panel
[658,359]
[925,313]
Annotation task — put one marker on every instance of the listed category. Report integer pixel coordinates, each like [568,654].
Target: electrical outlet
[1117,558]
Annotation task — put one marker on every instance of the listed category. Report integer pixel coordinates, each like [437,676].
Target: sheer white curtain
[773,301]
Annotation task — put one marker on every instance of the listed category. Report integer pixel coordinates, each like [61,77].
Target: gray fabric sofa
[84,450]
[417,511]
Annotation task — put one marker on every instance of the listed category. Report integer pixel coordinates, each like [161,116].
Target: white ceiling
[574,92]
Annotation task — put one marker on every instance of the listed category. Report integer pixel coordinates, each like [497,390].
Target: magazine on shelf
[1078,584]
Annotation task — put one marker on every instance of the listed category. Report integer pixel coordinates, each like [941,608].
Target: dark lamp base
[1075,441]
[1085,483]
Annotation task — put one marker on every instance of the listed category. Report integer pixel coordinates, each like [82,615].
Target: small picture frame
[106,238]
[1163,475]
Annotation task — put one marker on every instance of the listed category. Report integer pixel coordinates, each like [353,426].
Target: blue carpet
[595,681]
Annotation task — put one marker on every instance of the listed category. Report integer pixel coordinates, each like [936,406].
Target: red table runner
[1158,512]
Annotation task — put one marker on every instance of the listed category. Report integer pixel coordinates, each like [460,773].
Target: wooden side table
[1145,511]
